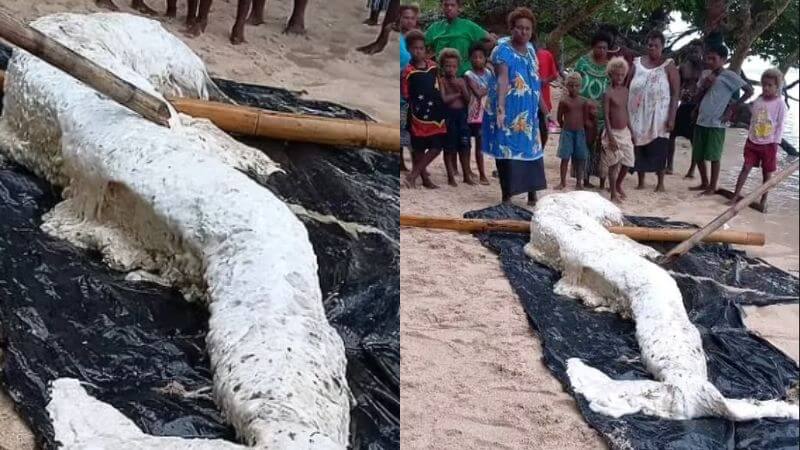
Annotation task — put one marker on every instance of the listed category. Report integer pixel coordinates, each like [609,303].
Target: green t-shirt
[460,34]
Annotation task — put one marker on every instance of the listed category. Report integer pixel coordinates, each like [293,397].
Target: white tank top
[648,102]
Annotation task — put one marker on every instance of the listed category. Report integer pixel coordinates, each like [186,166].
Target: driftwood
[84,70]
[635,233]
[720,220]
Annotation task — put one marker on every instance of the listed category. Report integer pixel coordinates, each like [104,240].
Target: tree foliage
[635,18]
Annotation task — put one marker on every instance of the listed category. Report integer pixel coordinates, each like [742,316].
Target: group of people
[620,113]
[247,12]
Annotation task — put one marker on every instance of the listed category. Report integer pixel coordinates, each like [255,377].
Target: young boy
[456,97]
[478,80]
[766,131]
[420,87]
[572,111]
[716,88]
[618,155]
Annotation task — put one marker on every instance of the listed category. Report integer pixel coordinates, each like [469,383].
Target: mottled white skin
[171,201]
[568,233]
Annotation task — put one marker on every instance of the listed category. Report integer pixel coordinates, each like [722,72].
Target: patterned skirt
[405,135]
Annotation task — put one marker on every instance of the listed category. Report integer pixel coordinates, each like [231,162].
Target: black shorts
[420,144]
[476,130]
[684,125]
[458,132]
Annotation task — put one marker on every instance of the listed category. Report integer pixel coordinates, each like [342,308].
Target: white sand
[324,63]
[472,375]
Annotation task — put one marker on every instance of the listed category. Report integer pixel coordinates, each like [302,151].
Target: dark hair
[655,34]
[601,36]
[718,49]
[459,2]
[477,48]
[414,36]
[521,13]
[609,29]
[404,8]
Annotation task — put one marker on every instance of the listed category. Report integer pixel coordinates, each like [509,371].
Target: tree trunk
[565,26]
[716,13]
[788,63]
[751,30]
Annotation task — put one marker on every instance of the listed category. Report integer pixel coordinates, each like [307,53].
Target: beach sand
[471,369]
[324,63]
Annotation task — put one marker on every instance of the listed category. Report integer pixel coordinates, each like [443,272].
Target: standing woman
[652,104]
[510,124]
[594,81]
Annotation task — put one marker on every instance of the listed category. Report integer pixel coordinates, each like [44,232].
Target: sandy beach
[471,370]
[324,63]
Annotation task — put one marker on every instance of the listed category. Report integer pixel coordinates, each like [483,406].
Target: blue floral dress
[519,139]
[517,146]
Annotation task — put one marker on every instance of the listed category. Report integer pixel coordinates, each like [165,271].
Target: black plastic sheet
[740,364]
[141,346]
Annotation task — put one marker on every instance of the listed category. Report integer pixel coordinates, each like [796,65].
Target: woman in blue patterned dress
[510,124]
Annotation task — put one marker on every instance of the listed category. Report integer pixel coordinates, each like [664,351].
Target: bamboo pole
[86,71]
[720,220]
[635,233]
[293,127]
[250,121]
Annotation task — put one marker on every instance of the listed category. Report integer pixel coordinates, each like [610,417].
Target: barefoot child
[717,87]
[572,111]
[478,80]
[456,97]
[618,155]
[426,123]
[766,131]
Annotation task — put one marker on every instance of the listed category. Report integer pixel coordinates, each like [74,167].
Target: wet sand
[324,64]
[471,370]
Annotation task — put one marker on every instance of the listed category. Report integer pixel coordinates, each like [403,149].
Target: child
[572,111]
[766,131]
[716,87]
[456,97]
[478,80]
[420,87]
[618,155]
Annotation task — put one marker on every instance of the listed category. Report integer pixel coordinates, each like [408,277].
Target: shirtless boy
[572,112]
[456,97]
[618,155]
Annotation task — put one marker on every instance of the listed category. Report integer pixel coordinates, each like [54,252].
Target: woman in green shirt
[592,67]
[455,32]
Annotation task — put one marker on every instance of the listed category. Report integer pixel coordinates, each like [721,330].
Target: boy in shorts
[618,155]
[572,112]
[766,131]
[716,88]
[456,97]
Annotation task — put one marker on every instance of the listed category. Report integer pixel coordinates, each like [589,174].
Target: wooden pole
[720,220]
[293,127]
[635,233]
[86,71]
[250,121]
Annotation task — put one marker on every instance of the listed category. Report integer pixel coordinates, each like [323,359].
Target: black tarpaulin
[714,281]
[141,347]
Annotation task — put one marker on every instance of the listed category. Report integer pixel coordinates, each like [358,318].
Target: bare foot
[763,207]
[616,199]
[588,184]
[429,184]
[375,47]
[237,37]
[622,194]
[640,186]
[668,171]
[732,201]
[408,182]
[139,5]
[660,188]
[295,28]
[371,22]
[469,181]
[195,30]
[578,187]
[190,21]
[689,175]
[708,191]
[452,183]
[702,187]
[255,20]
[107,4]
[560,186]
[531,202]
[484,181]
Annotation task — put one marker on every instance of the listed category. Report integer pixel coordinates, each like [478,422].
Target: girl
[478,80]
